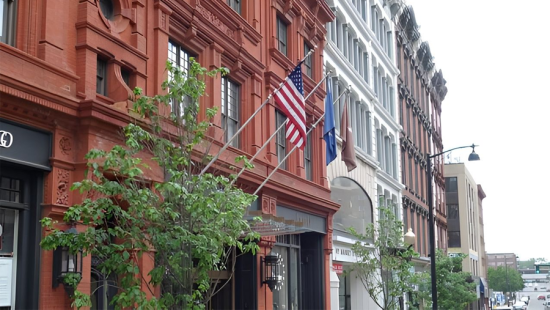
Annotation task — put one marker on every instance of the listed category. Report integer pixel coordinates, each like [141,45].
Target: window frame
[236,5]
[280,139]
[177,107]
[282,29]
[101,76]
[9,22]
[346,284]
[290,243]
[308,62]
[308,159]
[226,85]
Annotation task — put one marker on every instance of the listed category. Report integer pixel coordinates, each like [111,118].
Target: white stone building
[360,53]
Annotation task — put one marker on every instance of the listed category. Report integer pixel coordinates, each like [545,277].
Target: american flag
[290,99]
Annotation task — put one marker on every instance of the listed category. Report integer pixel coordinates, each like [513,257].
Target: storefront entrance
[19,237]
[24,159]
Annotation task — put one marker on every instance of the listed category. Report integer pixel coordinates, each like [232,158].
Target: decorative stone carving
[63,187]
[215,21]
[65,145]
[265,204]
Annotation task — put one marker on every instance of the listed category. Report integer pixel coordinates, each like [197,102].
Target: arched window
[355,205]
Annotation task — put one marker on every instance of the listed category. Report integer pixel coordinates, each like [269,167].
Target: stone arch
[356,209]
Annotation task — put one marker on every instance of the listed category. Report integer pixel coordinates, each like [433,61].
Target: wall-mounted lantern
[66,264]
[270,269]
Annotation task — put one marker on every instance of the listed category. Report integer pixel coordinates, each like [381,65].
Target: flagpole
[348,90]
[278,129]
[226,145]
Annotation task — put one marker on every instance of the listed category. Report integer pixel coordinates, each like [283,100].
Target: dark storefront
[24,159]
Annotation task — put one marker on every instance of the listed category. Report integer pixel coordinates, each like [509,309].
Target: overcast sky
[491,53]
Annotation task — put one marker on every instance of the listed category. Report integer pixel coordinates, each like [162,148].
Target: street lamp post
[473,157]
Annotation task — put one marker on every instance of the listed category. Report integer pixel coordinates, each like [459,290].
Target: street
[534,304]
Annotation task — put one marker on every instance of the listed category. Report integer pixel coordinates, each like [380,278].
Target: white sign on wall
[6,139]
[5,281]
[343,253]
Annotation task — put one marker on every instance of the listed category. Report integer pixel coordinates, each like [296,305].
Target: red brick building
[66,73]
[421,92]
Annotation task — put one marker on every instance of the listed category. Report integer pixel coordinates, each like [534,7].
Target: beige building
[508,260]
[465,224]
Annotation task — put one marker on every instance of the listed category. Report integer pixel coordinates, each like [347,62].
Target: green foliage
[505,279]
[383,262]
[455,288]
[191,225]
[530,263]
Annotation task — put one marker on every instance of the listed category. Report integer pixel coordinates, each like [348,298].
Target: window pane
[230,109]
[101,81]
[307,61]
[3,3]
[235,5]
[179,59]
[281,138]
[282,35]
[307,159]
[293,285]
[280,294]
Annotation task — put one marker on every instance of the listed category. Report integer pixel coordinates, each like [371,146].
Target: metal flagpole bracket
[278,129]
[294,148]
[226,145]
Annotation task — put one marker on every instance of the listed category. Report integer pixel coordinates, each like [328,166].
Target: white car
[520,305]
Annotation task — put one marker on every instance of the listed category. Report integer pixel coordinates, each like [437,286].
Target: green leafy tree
[383,262]
[505,279]
[530,263]
[192,225]
[455,288]
[527,264]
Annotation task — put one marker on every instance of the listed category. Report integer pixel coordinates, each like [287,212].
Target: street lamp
[473,157]
[409,238]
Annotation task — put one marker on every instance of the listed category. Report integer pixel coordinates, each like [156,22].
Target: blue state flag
[329,128]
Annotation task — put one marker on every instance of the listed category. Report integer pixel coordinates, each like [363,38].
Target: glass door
[10,195]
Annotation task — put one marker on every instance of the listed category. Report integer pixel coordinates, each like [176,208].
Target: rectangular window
[307,61]
[452,212]
[454,239]
[369,133]
[126,76]
[412,225]
[230,109]
[366,67]
[235,5]
[288,296]
[308,164]
[338,34]
[405,221]
[411,175]
[338,89]
[282,33]
[419,229]
[451,185]
[374,18]
[180,59]
[344,292]
[7,21]
[424,233]
[379,146]
[10,190]
[281,137]
[101,77]
[375,73]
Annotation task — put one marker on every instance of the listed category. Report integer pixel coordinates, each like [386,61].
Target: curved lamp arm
[473,146]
